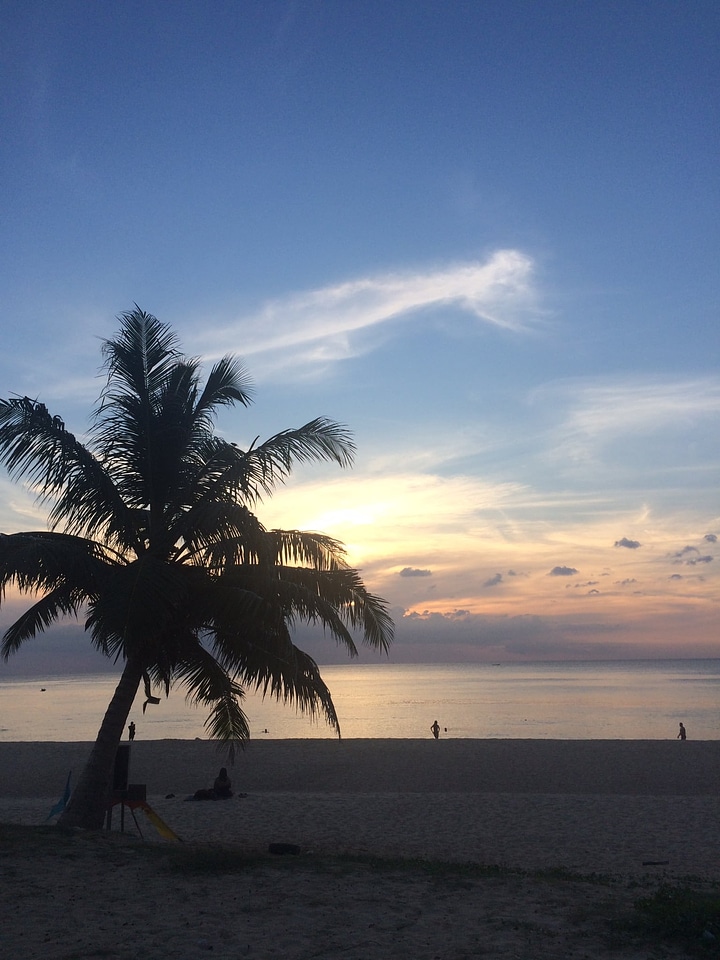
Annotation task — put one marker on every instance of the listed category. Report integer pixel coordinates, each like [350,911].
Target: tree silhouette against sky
[153,542]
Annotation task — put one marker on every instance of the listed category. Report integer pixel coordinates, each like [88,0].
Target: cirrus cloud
[320,326]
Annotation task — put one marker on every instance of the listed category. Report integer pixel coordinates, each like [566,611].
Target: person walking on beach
[435,729]
[131,730]
[682,735]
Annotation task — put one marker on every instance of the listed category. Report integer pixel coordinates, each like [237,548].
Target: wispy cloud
[18,508]
[601,413]
[324,324]
[625,407]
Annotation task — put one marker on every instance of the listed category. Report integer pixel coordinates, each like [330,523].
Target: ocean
[625,700]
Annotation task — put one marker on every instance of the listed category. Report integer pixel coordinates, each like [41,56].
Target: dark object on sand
[283,849]
[121,767]
[203,794]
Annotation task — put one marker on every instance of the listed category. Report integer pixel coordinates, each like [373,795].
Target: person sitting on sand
[682,735]
[435,729]
[222,786]
[221,789]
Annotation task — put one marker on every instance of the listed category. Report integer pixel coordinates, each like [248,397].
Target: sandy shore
[655,768]
[648,810]
[587,806]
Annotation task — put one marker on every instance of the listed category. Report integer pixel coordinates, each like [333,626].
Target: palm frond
[140,362]
[43,560]
[68,571]
[246,625]
[227,383]
[222,471]
[301,595]
[35,446]
[140,357]
[63,601]
[302,547]
[334,598]
[293,679]
[261,468]
[208,684]
[143,610]
[218,534]
[228,724]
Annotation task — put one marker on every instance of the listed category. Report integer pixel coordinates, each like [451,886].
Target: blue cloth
[62,802]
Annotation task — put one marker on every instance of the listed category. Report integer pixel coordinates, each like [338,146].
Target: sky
[484,235]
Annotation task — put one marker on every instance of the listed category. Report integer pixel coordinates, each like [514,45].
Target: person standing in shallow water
[682,735]
[131,731]
[435,729]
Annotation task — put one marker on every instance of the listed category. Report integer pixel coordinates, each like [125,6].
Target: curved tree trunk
[89,800]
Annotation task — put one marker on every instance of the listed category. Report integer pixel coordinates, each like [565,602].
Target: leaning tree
[153,542]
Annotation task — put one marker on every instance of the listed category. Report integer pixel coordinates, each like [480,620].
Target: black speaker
[122,767]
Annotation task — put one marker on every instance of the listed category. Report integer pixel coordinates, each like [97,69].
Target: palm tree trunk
[89,800]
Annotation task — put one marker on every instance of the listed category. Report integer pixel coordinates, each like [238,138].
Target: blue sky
[484,235]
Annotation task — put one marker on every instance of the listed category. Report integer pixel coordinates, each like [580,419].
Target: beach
[639,811]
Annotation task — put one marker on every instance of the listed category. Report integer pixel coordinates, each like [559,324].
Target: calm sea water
[608,700]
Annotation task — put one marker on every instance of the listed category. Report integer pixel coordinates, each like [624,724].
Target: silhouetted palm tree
[153,542]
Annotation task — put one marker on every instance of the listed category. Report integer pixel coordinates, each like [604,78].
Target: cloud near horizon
[319,324]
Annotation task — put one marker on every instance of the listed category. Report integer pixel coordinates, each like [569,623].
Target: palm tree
[152,540]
